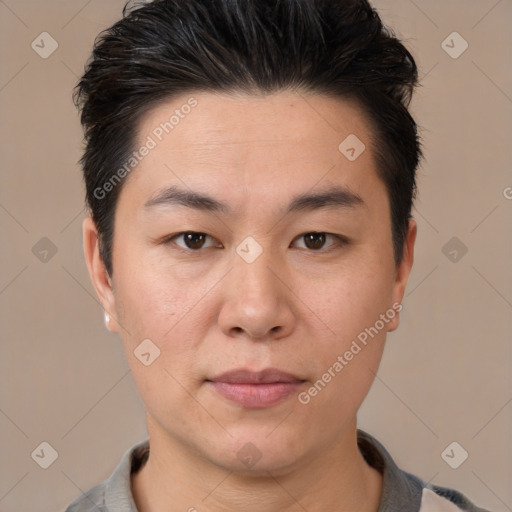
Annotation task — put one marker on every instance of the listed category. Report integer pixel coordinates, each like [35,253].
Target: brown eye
[192,240]
[314,240]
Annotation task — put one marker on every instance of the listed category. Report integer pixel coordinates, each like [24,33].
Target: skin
[295,308]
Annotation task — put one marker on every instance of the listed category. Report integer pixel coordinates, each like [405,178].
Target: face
[255,258]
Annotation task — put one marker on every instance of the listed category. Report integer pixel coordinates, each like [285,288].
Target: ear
[402,273]
[98,272]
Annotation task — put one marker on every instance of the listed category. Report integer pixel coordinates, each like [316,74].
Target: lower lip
[257,396]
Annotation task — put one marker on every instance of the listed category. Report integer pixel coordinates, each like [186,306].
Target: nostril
[239,330]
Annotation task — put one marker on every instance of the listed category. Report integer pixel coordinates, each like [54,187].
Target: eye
[192,240]
[316,240]
[195,241]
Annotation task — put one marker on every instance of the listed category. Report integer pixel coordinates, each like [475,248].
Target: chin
[256,453]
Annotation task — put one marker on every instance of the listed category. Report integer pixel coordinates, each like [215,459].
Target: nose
[258,303]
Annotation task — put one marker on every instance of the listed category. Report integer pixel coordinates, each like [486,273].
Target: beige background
[446,374]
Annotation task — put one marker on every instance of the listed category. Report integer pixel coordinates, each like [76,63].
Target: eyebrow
[333,197]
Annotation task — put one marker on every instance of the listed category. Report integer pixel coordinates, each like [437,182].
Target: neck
[177,478]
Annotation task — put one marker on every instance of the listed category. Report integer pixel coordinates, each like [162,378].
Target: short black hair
[164,48]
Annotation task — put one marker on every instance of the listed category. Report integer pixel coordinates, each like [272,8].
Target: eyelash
[341,241]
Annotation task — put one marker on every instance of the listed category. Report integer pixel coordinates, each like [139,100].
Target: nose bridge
[253,270]
[256,301]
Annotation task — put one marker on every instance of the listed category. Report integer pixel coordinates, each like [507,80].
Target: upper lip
[267,376]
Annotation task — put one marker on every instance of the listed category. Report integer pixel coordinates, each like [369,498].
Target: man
[250,172]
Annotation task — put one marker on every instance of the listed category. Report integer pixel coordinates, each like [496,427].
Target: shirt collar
[400,490]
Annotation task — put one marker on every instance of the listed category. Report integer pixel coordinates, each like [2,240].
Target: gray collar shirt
[401,491]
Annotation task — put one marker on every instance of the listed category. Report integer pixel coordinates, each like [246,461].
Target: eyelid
[340,241]
[170,238]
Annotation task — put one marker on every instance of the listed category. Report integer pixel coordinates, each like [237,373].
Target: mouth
[256,390]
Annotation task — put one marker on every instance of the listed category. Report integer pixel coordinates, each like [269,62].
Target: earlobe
[403,272]
[98,273]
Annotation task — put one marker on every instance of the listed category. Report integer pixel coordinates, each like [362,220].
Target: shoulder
[406,492]
[91,501]
[114,494]
[434,497]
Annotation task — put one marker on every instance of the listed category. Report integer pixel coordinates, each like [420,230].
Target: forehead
[249,144]
[221,118]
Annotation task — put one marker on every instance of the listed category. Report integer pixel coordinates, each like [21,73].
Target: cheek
[159,320]
[152,302]
[351,299]
[346,362]
[164,308]
[350,305]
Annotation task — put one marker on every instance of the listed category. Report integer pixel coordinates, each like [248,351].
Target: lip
[256,390]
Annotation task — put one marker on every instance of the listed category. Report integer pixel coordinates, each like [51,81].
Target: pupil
[315,240]
[194,240]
